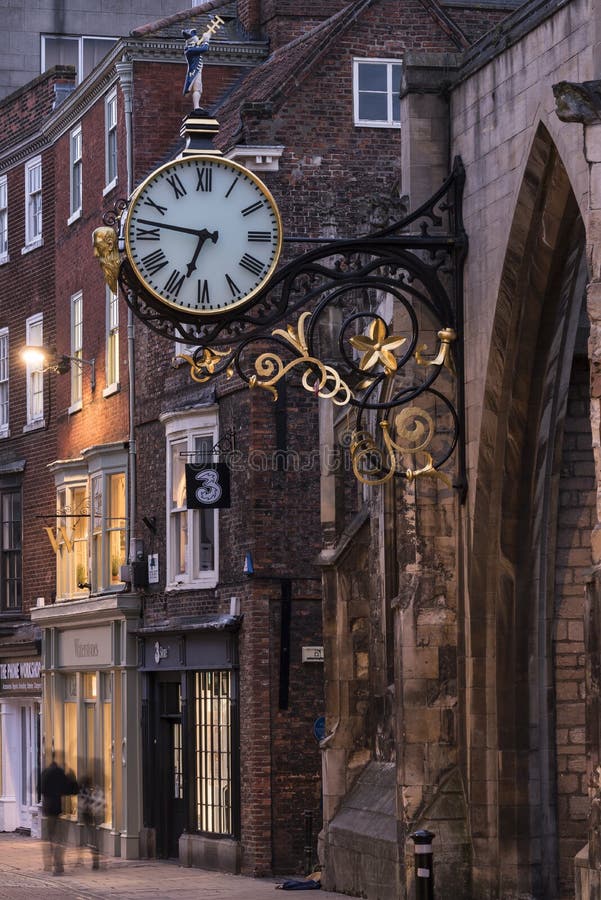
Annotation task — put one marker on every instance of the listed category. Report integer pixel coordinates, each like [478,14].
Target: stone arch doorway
[516,731]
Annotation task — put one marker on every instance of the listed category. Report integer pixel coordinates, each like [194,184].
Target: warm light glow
[34,356]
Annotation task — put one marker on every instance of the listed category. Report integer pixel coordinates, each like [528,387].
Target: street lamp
[58,363]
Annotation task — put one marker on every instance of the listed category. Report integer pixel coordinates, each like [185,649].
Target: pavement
[22,877]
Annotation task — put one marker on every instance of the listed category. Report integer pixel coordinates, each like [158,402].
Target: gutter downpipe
[125,73]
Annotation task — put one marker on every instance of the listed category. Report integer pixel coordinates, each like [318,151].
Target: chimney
[249,15]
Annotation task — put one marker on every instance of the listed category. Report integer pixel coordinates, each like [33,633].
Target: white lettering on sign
[210,490]
[423,873]
[18,670]
[160,652]
[85,650]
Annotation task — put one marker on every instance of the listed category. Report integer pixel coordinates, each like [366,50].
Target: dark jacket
[54,785]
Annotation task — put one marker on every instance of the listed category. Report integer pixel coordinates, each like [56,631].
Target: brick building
[460,691]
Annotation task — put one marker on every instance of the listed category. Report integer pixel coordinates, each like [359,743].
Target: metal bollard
[424,875]
[308,822]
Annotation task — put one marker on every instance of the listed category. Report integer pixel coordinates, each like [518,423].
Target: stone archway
[510,637]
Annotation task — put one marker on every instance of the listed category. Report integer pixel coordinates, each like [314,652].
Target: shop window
[11,550]
[70,738]
[376,89]
[107,744]
[192,547]
[213,700]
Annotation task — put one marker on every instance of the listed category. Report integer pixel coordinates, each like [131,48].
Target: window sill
[111,389]
[205,584]
[75,407]
[395,125]
[4,432]
[74,216]
[109,187]
[39,242]
[34,426]
[4,258]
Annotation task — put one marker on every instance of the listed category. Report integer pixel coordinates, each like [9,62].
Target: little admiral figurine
[194,48]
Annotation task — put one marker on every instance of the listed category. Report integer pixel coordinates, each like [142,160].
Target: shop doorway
[29,751]
[170,768]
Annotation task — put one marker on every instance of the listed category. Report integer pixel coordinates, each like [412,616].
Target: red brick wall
[573,561]
[27,287]
[101,419]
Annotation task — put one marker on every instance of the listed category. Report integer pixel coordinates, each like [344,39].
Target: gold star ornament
[377,347]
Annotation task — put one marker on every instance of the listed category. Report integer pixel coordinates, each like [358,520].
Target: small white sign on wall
[312,654]
[153,568]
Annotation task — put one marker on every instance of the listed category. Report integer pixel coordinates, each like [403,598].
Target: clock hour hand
[202,237]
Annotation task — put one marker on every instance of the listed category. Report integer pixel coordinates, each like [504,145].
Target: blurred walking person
[91,814]
[54,785]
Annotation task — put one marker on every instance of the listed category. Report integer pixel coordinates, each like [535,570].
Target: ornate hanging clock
[203,236]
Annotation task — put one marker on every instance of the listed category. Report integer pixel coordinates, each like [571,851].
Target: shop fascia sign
[21,676]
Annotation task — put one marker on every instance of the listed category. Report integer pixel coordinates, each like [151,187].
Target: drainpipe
[125,73]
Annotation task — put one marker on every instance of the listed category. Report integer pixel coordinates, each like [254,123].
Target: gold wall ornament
[444,356]
[414,430]
[368,460]
[203,369]
[271,367]
[106,251]
[377,347]
[374,465]
[428,470]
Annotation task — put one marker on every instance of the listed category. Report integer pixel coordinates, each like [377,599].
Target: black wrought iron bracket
[373,323]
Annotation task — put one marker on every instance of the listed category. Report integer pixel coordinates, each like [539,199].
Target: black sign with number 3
[207,486]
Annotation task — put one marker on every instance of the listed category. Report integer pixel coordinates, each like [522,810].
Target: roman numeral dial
[202,236]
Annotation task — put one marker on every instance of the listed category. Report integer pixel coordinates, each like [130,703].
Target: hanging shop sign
[21,676]
[207,486]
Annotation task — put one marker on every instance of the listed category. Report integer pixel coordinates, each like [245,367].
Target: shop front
[190,694]
[91,709]
[20,715]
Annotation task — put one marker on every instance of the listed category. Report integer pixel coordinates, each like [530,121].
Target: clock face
[203,234]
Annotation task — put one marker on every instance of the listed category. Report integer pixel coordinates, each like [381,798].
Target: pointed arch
[510,728]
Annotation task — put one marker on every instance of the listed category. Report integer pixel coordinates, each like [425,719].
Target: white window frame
[389,122]
[4,384]
[183,428]
[76,170]
[33,205]
[3,219]
[72,497]
[34,337]
[112,344]
[104,463]
[90,471]
[80,41]
[110,141]
[76,326]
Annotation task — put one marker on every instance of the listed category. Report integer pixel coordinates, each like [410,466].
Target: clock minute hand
[197,231]
[202,237]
